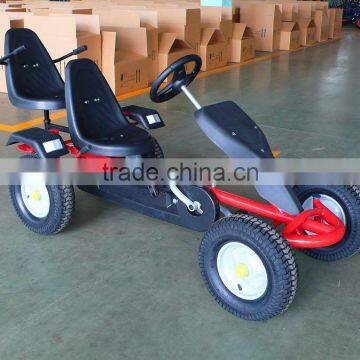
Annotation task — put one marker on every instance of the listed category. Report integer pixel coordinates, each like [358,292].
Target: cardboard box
[338,23]
[219,18]
[307,32]
[321,5]
[242,43]
[124,71]
[264,19]
[290,36]
[290,11]
[213,15]
[335,22]
[61,34]
[66,10]
[132,35]
[171,48]
[322,25]
[306,10]
[184,22]
[213,49]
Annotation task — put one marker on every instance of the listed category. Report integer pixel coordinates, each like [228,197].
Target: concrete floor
[117,285]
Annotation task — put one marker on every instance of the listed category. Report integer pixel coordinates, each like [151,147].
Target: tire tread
[266,235]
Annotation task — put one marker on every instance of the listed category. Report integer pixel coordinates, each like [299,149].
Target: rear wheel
[43,209]
[158,151]
[344,202]
[248,267]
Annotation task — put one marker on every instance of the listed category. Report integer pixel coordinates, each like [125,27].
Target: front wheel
[43,209]
[344,202]
[248,267]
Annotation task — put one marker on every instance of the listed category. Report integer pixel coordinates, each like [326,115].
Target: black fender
[44,143]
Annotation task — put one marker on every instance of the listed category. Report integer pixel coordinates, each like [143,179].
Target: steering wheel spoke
[180,78]
[165,90]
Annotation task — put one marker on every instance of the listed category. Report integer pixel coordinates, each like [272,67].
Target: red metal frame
[326,228]
[314,228]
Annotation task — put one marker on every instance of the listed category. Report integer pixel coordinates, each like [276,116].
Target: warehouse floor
[117,285]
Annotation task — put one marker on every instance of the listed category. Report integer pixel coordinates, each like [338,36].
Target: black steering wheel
[180,78]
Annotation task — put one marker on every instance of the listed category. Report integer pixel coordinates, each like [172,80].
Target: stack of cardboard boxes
[135,40]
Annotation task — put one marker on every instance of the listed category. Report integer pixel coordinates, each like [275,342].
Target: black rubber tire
[276,254]
[158,151]
[349,199]
[62,207]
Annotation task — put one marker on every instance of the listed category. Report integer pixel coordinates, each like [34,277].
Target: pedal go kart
[247,263]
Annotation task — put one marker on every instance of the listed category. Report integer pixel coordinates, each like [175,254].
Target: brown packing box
[264,19]
[70,11]
[184,22]
[307,32]
[242,43]
[338,23]
[321,5]
[6,23]
[124,71]
[171,49]
[322,25]
[331,17]
[290,36]
[218,18]
[290,11]
[306,10]
[61,34]
[132,36]
[12,10]
[211,15]
[335,22]
[213,49]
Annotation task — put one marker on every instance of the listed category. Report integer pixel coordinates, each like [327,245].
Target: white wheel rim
[242,271]
[327,201]
[35,196]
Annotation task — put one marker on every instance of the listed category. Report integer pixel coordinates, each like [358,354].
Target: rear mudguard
[44,143]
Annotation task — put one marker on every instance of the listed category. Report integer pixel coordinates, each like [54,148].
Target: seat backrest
[92,109]
[32,73]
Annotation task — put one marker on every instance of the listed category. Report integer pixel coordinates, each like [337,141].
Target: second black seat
[96,122]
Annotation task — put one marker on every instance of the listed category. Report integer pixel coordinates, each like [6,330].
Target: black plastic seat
[96,122]
[33,80]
